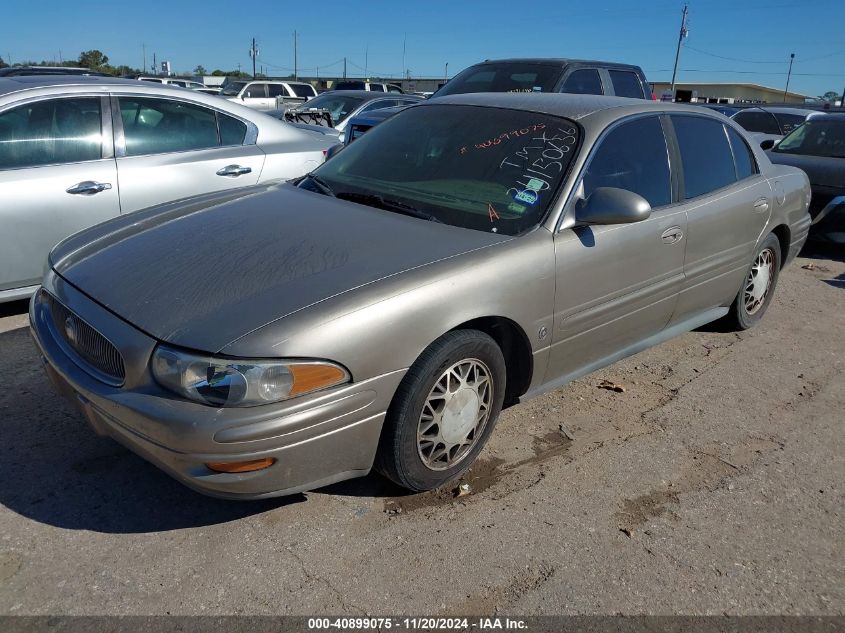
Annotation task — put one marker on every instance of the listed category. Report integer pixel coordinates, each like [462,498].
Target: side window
[757,121]
[583,82]
[705,154]
[255,91]
[789,122]
[232,130]
[156,126]
[746,166]
[277,90]
[51,132]
[618,162]
[626,84]
[378,104]
[392,88]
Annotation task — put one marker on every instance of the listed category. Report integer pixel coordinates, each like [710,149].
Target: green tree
[200,71]
[830,96]
[93,59]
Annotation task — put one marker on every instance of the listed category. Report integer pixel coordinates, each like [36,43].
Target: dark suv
[550,75]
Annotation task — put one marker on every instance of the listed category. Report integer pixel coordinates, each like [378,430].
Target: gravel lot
[713,483]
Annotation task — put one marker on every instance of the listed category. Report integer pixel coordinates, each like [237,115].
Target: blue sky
[729,40]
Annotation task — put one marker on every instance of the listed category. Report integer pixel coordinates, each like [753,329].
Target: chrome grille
[93,348]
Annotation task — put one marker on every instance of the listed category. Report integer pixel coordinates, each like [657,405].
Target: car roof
[29,82]
[571,106]
[778,109]
[823,114]
[554,61]
[369,95]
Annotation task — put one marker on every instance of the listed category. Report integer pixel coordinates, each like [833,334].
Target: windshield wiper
[321,184]
[377,201]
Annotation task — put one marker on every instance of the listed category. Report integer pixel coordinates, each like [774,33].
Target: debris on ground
[566,432]
[816,267]
[611,386]
[463,490]
[626,532]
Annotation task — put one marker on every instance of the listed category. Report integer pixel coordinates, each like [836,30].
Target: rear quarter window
[585,81]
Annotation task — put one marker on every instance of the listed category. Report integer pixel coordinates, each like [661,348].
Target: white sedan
[76,151]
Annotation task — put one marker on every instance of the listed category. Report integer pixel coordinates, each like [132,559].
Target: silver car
[75,151]
[466,254]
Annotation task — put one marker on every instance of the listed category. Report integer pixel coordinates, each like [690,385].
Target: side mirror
[333,150]
[609,205]
[767,144]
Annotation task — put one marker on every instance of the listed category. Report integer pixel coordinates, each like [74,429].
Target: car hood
[206,271]
[822,171]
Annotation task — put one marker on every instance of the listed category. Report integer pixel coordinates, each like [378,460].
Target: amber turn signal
[311,377]
[242,467]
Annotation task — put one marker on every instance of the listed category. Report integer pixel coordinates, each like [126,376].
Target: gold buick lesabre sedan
[468,253]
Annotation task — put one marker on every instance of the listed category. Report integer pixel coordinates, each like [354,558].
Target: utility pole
[788,75]
[344,68]
[404,42]
[366,61]
[144,55]
[253,52]
[295,71]
[446,73]
[681,37]
[155,67]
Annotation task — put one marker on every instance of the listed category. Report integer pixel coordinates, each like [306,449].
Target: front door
[618,284]
[171,149]
[57,177]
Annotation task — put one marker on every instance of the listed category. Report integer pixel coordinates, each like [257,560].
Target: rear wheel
[757,290]
[443,411]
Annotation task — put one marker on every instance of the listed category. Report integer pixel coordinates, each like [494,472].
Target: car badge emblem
[71,331]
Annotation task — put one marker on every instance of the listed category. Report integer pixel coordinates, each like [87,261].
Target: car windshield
[816,137]
[489,169]
[507,77]
[233,88]
[339,105]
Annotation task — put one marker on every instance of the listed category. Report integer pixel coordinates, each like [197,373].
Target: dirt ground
[712,484]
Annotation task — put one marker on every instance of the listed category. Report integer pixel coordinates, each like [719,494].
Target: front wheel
[754,297]
[443,411]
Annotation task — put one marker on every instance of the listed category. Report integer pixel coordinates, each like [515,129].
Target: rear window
[626,84]
[508,77]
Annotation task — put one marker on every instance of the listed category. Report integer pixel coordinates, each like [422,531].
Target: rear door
[255,95]
[728,204]
[618,284]
[169,148]
[57,177]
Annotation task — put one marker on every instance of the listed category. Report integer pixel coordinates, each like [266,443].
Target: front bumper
[316,439]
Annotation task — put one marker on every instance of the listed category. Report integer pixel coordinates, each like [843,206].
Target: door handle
[761,205]
[88,187]
[672,235]
[233,171]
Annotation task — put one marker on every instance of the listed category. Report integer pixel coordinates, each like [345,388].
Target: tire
[748,307]
[451,371]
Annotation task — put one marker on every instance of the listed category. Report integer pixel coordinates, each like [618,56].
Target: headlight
[231,382]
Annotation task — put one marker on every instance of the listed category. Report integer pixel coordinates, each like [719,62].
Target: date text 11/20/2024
[417,624]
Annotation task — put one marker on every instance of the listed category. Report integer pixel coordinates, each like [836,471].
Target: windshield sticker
[492,212]
[516,208]
[536,184]
[529,196]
